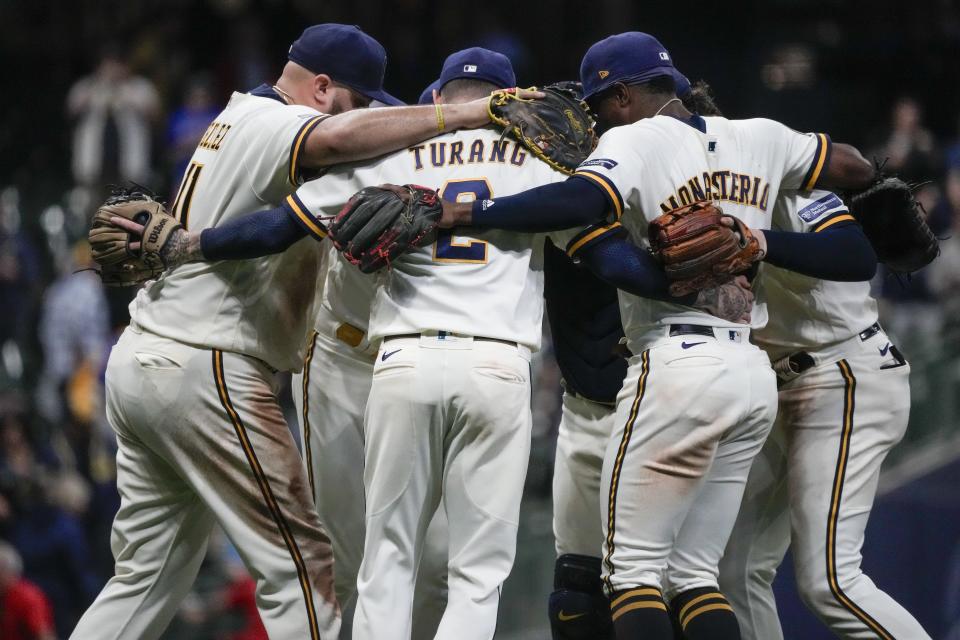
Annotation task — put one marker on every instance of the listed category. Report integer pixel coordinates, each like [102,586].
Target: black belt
[442,334]
[800,361]
[691,329]
[870,331]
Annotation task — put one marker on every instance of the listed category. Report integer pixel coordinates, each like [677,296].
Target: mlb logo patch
[470,68]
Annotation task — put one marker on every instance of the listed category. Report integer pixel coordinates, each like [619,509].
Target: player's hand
[731,301]
[182,246]
[134,229]
[456,214]
[479,109]
[727,221]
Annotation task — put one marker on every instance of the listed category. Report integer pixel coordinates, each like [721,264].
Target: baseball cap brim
[646,76]
[381,96]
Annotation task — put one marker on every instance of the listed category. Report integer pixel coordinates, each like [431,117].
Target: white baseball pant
[448,423]
[813,487]
[331,397]
[693,413]
[201,439]
[585,428]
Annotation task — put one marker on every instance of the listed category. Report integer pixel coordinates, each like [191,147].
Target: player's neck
[673,107]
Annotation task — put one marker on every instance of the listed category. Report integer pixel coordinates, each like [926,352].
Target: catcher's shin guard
[704,614]
[578,608]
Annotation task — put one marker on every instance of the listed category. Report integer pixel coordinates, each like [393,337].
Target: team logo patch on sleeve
[606,163]
[829,203]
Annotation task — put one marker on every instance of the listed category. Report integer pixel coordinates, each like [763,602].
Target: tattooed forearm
[730,301]
[181,247]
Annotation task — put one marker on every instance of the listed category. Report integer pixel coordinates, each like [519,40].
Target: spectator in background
[48,532]
[75,335]
[944,274]
[24,610]
[20,276]
[909,149]
[114,112]
[187,124]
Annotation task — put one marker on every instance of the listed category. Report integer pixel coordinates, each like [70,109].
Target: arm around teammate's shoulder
[362,134]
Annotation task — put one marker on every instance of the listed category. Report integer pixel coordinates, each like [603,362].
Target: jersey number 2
[448,248]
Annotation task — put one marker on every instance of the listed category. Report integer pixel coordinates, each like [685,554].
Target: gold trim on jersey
[846,217]
[307,449]
[843,456]
[578,243]
[269,498]
[298,144]
[318,231]
[608,187]
[618,464]
[821,154]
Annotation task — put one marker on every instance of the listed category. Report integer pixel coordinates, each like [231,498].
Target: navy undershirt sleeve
[626,266]
[576,202]
[259,234]
[841,253]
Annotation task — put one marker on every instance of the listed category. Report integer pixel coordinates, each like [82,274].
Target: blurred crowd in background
[101,93]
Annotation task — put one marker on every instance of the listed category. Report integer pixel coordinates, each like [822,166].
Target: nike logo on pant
[562,617]
[884,350]
[388,354]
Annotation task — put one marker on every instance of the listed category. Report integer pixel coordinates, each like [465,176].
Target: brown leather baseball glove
[698,250]
[120,265]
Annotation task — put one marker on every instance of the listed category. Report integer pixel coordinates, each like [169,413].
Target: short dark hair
[358,100]
[660,85]
[466,88]
[700,100]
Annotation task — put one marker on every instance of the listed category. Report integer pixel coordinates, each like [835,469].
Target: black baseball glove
[557,128]
[895,224]
[379,224]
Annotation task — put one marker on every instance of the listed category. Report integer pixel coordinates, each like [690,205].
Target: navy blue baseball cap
[631,58]
[346,54]
[427,96]
[477,63]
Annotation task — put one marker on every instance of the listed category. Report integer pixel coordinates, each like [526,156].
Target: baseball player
[332,408]
[448,418]
[190,384]
[844,396]
[585,326]
[698,399]
[330,395]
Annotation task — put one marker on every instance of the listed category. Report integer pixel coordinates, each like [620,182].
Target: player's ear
[321,85]
[621,94]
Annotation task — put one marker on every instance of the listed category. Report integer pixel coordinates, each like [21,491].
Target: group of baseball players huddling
[686,463]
